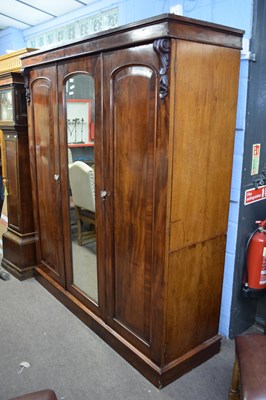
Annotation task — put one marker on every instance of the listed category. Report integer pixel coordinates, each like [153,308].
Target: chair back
[70,158]
[81,177]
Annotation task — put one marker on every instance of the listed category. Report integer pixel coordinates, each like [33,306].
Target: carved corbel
[25,74]
[162,48]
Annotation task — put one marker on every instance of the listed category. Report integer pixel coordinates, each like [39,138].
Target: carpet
[66,356]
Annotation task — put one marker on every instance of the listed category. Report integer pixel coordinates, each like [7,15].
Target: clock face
[6,107]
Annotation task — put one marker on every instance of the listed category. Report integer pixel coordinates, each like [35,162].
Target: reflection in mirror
[80,117]
[6,107]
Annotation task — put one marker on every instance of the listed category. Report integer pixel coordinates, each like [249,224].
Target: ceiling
[28,13]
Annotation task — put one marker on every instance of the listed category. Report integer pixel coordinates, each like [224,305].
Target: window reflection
[80,110]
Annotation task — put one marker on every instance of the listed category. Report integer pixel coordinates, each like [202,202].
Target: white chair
[81,178]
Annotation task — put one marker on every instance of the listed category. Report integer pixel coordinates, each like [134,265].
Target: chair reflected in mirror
[70,158]
[81,178]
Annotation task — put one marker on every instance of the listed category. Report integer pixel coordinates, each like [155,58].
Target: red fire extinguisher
[255,268]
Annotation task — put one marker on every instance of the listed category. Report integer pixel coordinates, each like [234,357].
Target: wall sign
[255,159]
[253,195]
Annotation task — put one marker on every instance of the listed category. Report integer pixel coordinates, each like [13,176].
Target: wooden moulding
[158,376]
[11,62]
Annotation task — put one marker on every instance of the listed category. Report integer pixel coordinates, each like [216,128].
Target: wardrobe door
[82,179]
[131,132]
[44,150]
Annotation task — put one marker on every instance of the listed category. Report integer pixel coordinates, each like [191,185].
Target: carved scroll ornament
[162,48]
[25,74]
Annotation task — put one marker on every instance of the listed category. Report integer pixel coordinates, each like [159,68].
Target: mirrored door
[80,117]
[82,135]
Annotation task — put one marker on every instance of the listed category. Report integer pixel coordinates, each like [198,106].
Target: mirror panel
[6,105]
[80,118]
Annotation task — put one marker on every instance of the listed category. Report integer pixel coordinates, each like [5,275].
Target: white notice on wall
[255,159]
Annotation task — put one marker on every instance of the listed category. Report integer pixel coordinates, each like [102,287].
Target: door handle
[103,194]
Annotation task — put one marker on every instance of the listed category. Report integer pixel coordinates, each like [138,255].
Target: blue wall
[11,39]
[235,13]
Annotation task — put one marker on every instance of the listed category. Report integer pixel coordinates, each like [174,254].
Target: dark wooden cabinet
[164,102]
[19,239]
